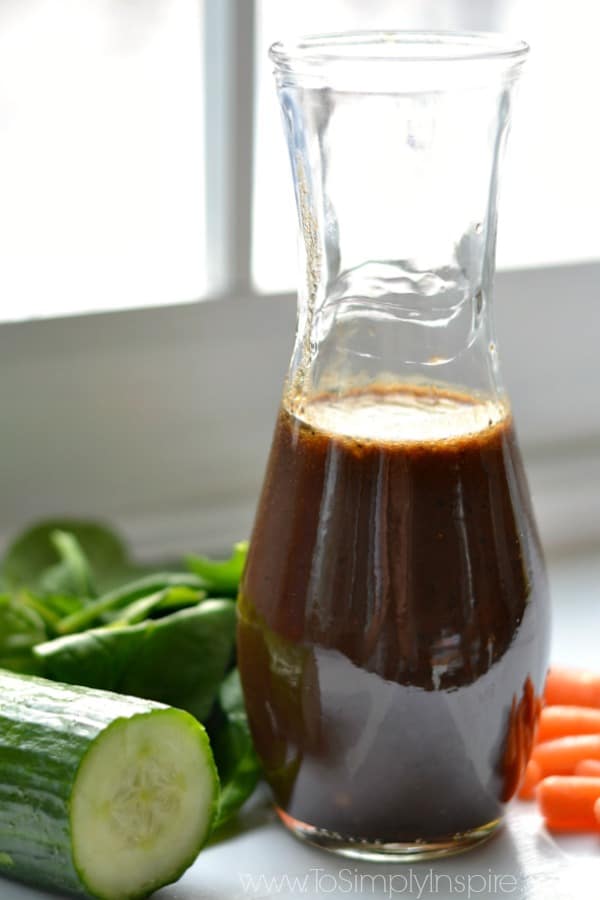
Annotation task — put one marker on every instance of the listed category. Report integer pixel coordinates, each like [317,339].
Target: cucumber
[101,795]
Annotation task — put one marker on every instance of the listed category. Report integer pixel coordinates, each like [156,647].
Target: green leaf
[123,596]
[56,605]
[160,603]
[180,659]
[33,553]
[221,577]
[21,628]
[72,576]
[236,759]
[231,696]
[176,598]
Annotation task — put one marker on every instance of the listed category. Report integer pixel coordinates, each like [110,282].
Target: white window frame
[128,416]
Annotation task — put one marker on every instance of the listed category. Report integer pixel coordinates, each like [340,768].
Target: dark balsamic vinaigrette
[392,618]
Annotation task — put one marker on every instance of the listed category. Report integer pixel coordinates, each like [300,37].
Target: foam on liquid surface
[400,415]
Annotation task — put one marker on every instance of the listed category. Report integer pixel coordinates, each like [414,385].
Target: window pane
[550,192]
[101,148]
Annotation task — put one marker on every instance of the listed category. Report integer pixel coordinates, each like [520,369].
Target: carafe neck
[395,164]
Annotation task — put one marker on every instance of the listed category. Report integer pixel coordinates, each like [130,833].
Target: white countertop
[522,861]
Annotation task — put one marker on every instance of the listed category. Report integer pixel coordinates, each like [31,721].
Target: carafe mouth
[387,55]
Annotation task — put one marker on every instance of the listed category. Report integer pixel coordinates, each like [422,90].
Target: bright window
[101,155]
[104,159]
[550,192]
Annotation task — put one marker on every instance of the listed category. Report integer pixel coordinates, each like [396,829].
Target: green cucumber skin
[46,729]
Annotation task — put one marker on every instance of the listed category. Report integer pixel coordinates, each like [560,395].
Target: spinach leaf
[123,596]
[236,759]
[72,576]
[50,607]
[154,605]
[176,598]
[21,628]
[33,553]
[222,578]
[56,606]
[180,659]
[231,696]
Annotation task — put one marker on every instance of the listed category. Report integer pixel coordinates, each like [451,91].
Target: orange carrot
[561,721]
[571,824]
[532,776]
[559,757]
[572,687]
[597,810]
[588,767]
[568,802]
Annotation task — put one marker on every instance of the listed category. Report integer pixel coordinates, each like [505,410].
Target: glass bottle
[393,615]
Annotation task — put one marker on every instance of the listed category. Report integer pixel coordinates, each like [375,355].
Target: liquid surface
[392,619]
[393,416]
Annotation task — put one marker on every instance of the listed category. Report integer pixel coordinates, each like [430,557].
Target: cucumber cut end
[143,804]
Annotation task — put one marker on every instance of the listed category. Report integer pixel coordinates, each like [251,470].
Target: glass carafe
[393,615]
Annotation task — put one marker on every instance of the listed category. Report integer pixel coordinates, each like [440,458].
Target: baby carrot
[560,721]
[597,810]
[568,802]
[560,756]
[532,775]
[571,824]
[572,687]
[588,767]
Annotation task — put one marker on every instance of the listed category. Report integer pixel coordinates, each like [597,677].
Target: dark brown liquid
[393,617]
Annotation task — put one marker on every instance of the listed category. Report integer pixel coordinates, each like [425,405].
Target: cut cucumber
[100,794]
